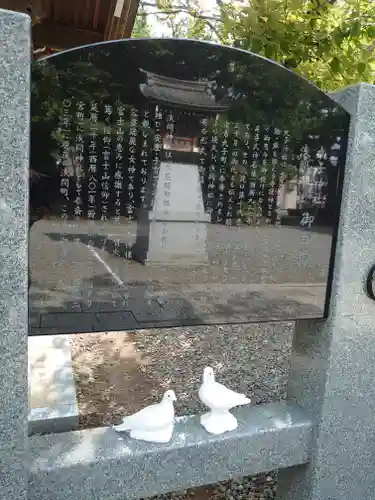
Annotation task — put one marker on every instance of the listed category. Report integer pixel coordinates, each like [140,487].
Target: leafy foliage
[141,28]
[329,42]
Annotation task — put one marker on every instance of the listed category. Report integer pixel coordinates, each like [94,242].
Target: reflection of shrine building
[174,230]
[302,193]
[190,95]
[190,102]
[308,191]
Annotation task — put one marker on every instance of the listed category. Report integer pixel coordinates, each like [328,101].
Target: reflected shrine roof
[186,93]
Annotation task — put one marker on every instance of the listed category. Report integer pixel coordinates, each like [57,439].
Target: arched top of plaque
[178,182]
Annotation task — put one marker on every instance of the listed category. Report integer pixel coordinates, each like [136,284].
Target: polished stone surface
[14,151]
[332,365]
[98,464]
[179,183]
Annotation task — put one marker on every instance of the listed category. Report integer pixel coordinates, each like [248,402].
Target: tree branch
[185,10]
[320,5]
[181,9]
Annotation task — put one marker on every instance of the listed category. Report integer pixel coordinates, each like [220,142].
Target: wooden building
[64,24]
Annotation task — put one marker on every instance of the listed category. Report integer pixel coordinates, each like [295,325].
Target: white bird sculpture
[154,423]
[219,400]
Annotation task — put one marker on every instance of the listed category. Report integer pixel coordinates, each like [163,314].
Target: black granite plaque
[175,183]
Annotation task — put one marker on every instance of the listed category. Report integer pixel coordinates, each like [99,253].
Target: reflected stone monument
[178,235]
[174,231]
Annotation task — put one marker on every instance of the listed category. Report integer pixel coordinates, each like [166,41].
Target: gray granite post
[333,363]
[14,152]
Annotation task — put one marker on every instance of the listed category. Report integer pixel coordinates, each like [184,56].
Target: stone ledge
[62,418]
[99,464]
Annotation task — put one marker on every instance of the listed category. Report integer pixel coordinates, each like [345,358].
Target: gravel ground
[260,487]
[118,373]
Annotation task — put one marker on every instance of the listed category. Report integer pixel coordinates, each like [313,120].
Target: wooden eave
[63,24]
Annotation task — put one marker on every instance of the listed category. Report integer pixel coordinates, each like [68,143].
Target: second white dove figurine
[154,423]
[219,400]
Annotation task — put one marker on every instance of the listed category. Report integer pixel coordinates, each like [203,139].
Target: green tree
[329,42]
[182,19]
[141,28]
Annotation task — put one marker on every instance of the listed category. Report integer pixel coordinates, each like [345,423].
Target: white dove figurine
[220,400]
[153,423]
